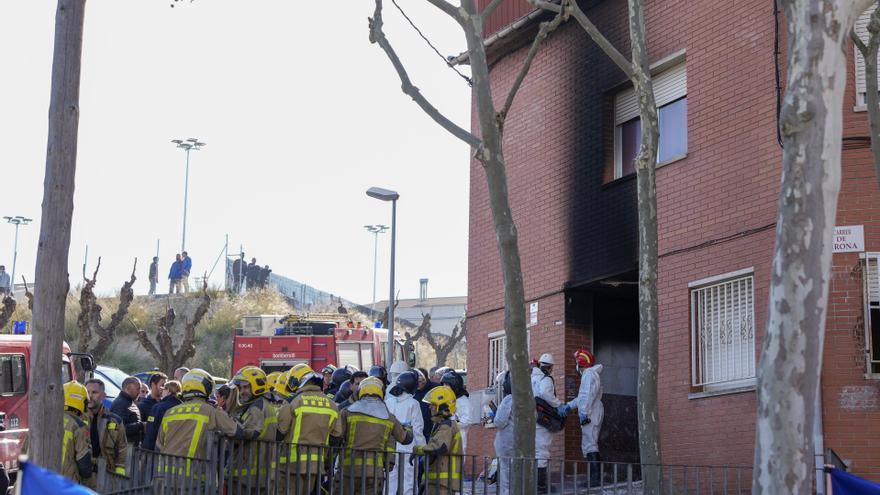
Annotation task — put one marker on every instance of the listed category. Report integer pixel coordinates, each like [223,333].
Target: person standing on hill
[154,275]
[175,275]
[187,267]
[252,273]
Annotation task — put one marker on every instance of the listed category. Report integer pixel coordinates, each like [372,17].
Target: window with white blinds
[861,30]
[670,93]
[872,311]
[723,332]
[497,356]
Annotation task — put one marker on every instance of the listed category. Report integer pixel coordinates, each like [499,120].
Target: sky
[300,113]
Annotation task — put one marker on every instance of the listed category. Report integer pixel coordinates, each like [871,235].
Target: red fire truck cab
[276,343]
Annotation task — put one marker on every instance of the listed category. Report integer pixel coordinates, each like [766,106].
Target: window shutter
[872,276]
[861,29]
[669,86]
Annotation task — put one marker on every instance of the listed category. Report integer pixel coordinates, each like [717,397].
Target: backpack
[547,417]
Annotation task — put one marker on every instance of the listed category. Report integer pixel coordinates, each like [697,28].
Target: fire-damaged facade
[569,141]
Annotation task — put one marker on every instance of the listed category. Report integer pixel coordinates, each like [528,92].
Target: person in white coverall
[503,433]
[590,410]
[544,387]
[396,369]
[463,414]
[401,404]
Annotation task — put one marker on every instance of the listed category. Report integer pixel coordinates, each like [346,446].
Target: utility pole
[18,221]
[375,230]
[191,144]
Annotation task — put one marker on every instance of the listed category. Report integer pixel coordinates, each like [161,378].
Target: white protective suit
[504,443]
[589,403]
[408,412]
[543,387]
[464,419]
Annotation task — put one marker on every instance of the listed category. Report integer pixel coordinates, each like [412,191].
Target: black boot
[542,479]
[595,468]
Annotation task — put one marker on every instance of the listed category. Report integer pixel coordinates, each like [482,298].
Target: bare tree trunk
[488,151]
[89,319]
[811,125]
[45,400]
[645,165]
[869,54]
[441,347]
[163,351]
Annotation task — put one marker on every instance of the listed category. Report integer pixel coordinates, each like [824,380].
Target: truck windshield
[13,377]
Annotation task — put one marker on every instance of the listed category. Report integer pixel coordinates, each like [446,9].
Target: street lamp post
[389,195]
[375,230]
[18,221]
[191,144]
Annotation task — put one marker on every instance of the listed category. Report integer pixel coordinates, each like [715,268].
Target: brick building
[567,143]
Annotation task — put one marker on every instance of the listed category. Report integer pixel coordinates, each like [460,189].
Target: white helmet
[546,358]
[398,367]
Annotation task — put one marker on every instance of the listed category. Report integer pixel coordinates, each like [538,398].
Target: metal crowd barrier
[233,467]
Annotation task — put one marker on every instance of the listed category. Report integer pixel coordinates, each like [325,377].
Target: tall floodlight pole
[389,195]
[375,230]
[191,144]
[18,221]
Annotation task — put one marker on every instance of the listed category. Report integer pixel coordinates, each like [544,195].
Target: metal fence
[274,468]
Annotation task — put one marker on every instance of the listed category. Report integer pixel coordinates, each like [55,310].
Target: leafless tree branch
[546,28]
[378,36]
[872,99]
[487,12]
[574,10]
[448,8]
[7,310]
[28,294]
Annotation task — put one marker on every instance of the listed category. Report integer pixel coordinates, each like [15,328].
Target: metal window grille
[497,357]
[872,311]
[723,332]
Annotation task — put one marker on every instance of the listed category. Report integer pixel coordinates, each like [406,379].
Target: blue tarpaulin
[843,483]
[38,481]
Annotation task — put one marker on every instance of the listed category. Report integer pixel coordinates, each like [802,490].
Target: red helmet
[583,358]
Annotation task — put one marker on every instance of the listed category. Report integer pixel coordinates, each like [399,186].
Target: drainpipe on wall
[819,443]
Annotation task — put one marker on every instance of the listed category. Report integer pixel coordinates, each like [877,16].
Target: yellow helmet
[253,376]
[299,375]
[281,390]
[76,396]
[442,401]
[197,383]
[272,379]
[371,386]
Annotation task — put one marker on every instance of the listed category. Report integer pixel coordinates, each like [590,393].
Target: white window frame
[500,338]
[669,85]
[744,280]
[861,30]
[872,300]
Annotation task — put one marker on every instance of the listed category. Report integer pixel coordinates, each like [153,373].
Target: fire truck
[277,343]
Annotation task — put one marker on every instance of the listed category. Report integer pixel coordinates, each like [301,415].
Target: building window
[497,356]
[13,375]
[670,92]
[872,312]
[723,331]
[861,30]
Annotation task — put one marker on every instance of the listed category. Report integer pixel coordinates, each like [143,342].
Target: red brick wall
[726,187]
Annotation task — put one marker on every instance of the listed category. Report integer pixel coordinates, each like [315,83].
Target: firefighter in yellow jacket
[306,426]
[186,427]
[107,430]
[256,414]
[443,450]
[76,448]
[370,435]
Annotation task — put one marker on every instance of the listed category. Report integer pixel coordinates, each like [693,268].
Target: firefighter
[544,387]
[257,417]
[370,430]
[306,426]
[503,431]
[185,428]
[337,379]
[462,415]
[76,448]
[402,405]
[272,379]
[444,449]
[327,373]
[590,410]
[107,432]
